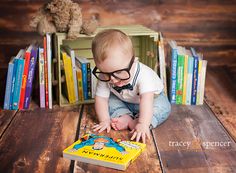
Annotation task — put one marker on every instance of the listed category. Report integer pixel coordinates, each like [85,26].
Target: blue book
[195,76]
[82,64]
[18,79]
[189,78]
[29,83]
[174,60]
[13,81]
[9,84]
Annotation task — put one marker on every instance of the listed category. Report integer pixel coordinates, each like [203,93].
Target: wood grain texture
[35,140]
[208,26]
[220,95]
[6,116]
[146,162]
[198,126]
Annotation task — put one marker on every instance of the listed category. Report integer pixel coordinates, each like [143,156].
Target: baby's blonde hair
[105,39]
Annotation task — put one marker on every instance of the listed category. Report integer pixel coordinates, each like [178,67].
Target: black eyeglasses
[122,74]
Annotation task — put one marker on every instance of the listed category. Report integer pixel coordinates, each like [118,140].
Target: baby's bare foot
[121,123]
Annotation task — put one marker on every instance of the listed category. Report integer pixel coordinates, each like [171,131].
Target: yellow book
[80,84]
[104,151]
[69,77]
[199,80]
[185,78]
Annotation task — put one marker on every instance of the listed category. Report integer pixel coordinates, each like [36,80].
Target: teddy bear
[62,16]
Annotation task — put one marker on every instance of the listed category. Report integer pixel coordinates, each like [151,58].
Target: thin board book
[104,151]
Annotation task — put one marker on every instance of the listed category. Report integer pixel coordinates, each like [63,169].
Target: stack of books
[80,84]
[187,75]
[21,74]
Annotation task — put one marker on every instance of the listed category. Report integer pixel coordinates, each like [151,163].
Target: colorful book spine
[80,84]
[203,79]
[82,63]
[185,78]
[13,81]
[41,78]
[25,77]
[199,81]
[46,71]
[189,79]
[33,62]
[173,71]
[195,77]
[69,77]
[8,84]
[18,81]
[89,81]
[71,53]
[180,76]
[49,63]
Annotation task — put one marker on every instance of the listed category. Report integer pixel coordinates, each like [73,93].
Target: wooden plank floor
[192,140]
[221,95]
[147,162]
[35,139]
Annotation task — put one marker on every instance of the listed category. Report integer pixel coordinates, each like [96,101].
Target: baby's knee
[160,114]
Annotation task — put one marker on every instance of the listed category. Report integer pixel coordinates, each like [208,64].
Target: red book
[25,76]
[45,71]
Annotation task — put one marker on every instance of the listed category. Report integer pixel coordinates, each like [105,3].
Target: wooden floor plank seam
[158,152]
[8,125]
[220,123]
[72,164]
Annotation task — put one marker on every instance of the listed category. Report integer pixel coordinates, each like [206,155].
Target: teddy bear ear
[89,26]
[45,26]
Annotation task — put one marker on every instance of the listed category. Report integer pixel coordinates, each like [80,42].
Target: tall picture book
[104,151]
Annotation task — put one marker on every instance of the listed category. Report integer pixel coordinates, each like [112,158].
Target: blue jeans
[161,109]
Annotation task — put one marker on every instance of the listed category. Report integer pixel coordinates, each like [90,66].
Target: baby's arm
[101,108]
[142,130]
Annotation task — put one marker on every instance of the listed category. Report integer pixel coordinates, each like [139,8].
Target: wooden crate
[145,43]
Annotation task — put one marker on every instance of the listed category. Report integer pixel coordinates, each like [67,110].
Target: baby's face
[116,60]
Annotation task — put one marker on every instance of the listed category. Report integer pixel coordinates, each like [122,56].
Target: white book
[203,79]
[41,78]
[49,58]
[71,54]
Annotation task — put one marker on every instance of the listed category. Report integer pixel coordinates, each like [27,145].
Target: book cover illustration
[104,151]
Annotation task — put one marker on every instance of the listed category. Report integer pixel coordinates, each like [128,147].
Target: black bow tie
[119,89]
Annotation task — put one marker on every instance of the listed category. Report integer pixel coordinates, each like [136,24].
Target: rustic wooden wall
[207,25]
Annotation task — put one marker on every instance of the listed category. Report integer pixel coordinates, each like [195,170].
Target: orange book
[46,71]
[25,76]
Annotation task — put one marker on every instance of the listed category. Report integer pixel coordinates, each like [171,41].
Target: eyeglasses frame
[112,73]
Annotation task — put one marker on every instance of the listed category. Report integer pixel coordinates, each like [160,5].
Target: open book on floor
[104,151]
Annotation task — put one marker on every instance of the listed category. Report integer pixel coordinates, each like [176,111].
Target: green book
[180,75]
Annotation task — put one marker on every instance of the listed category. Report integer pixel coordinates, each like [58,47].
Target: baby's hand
[103,125]
[141,131]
